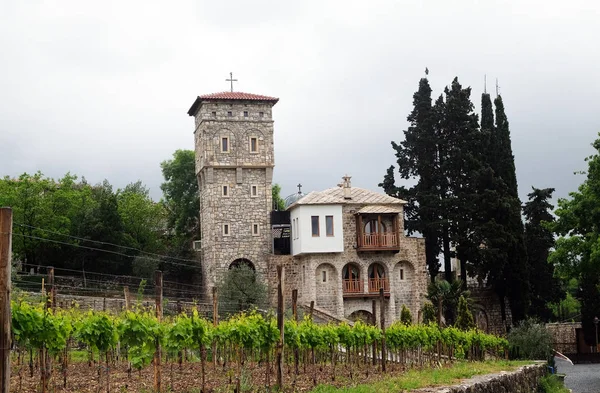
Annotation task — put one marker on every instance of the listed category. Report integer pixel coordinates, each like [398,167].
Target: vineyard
[74,351]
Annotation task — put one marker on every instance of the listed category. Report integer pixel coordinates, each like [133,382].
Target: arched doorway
[361,315]
[242,262]
[351,280]
[378,278]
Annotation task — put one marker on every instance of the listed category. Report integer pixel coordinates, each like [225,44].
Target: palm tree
[447,294]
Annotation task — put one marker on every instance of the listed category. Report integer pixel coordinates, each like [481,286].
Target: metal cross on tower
[231,80]
[299,188]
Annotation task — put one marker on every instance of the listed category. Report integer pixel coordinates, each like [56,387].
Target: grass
[552,384]
[416,379]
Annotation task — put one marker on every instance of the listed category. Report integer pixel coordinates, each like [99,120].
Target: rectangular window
[314,223]
[229,113]
[402,274]
[324,275]
[225,144]
[253,144]
[214,114]
[245,113]
[225,191]
[255,230]
[226,230]
[253,190]
[329,225]
[261,114]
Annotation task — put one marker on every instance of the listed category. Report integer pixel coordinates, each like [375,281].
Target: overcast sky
[101,89]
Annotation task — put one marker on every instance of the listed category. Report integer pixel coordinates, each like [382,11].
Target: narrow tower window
[253,144]
[245,113]
[324,274]
[214,114]
[261,114]
[401,274]
[229,114]
[225,144]
[226,230]
[255,230]
[225,191]
[253,190]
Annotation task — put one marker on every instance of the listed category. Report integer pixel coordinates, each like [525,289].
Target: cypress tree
[539,240]
[462,161]
[417,158]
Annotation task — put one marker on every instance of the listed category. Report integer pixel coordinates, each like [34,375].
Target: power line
[105,243]
[102,250]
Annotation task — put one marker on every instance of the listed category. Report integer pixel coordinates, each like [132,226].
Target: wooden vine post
[158,288]
[126,296]
[5,314]
[374,323]
[295,313]
[280,325]
[215,323]
[382,319]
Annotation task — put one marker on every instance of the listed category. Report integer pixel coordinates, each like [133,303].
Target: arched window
[351,280]
[242,262]
[350,272]
[376,271]
[373,226]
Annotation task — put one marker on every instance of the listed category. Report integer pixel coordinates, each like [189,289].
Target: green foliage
[429,315]
[530,340]
[405,316]
[550,383]
[545,288]
[240,290]
[464,318]
[449,294]
[577,250]
[278,202]
[98,330]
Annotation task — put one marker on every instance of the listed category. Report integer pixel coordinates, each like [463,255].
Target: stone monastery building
[339,246]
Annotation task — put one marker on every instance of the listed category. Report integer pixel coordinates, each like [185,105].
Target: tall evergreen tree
[461,162]
[504,168]
[545,288]
[417,158]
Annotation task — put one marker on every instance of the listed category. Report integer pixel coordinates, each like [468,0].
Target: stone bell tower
[234,167]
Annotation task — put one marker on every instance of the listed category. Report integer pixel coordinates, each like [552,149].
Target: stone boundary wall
[524,380]
[564,336]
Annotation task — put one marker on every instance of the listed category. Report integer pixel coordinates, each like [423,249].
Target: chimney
[347,187]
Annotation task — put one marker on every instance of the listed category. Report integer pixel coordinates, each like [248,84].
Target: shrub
[552,384]
[405,316]
[530,340]
[464,320]
[428,313]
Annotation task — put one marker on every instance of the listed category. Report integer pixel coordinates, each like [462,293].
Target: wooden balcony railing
[378,240]
[353,286]
[376,283]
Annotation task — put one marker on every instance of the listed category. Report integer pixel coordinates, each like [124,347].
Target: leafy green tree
[239,289]
[181,199]
[530,340]
[428,312]
[405,316]
[464,317]
[278,202]
[417,159]
[539,240]
[180,191]
[577,250]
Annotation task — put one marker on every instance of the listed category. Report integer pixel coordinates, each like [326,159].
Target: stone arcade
[345,242]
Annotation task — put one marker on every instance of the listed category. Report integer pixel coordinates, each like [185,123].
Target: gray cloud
[102,89]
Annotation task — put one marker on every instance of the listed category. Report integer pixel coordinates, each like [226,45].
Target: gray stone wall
[240,169]
[524,380]
[564,336]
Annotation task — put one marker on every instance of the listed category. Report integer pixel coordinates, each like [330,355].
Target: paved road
[581,378]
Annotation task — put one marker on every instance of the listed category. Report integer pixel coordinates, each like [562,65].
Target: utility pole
[5,314]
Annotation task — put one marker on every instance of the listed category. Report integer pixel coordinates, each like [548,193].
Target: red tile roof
[237,95]
[229,95]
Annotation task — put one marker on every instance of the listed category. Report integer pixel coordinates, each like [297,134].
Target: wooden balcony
[353,286]
[377,283]
[378,241]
